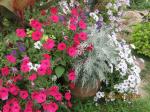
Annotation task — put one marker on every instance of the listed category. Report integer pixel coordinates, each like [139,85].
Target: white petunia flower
[36,66]
[38,45]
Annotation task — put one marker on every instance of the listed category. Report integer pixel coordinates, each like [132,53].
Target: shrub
[141,38]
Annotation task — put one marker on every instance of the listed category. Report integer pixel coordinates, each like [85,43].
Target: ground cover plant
[141,38]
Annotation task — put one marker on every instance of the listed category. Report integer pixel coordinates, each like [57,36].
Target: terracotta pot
[83,92]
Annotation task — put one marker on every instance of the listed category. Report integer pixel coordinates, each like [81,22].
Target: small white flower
[100,94]
[109,5]
[54,78]
[36,66]
[95,99]
[115,7]
[38,45]
[30,65]
[96,11]
[109,12]
[94,16]
[131,78]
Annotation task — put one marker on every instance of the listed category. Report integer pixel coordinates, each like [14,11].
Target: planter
[84,92]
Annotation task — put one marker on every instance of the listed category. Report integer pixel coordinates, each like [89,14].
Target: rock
[140,63]
[130,18]
[144,12]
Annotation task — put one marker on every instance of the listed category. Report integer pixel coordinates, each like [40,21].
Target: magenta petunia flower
[21,33]
[61,46]
[32,77]
[83,36]
[50,107]
[49,44]
[24,94]
[37,35]
[3,93]
[82,25]
[5,71]
[54,18]
[68,96]
[72,75]
[36,24]
[72,27]
[11,58]
[72,51]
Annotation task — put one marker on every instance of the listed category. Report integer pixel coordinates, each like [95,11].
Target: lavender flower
[21,47]
[14,52]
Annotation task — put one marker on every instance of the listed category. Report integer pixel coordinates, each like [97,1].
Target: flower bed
[64,48]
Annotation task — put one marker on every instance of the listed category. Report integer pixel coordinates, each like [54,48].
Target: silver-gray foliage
[94,65]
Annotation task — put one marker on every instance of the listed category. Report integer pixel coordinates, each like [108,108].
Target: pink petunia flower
[42,70]
[61,46]
[50,107]
[72,27]
[52,90]
[68,96]
[49,44]
[72,51]
[74,12]
[11,58]
[12,105]
[23,94]
[46,56]
[14,90]
[76,39]
[53,10]
[36,24]
[40,97]
[32,77]
[82,25]
[3,93]
[46,63]
[21,33]
[37,35]
[28,107]
[72,75]
[83,36]
[57,96]
[25,68]
[54,18]
[5,71]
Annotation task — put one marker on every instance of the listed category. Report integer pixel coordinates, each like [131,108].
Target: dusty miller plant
[93,66]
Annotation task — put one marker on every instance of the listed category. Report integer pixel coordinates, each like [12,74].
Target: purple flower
[21,47]
[99,24]
[14,52]
[61,18]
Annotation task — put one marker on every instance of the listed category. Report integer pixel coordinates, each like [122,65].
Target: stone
[129,19]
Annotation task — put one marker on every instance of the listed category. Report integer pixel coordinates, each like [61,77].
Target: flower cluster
[125,68]
[115,11]
[40,56]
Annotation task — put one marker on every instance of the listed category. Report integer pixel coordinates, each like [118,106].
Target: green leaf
[59,70]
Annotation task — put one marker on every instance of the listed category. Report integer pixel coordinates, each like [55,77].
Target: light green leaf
[59,70]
